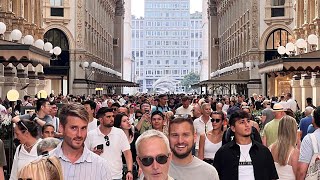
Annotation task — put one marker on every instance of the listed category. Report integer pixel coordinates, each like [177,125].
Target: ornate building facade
[248,34]
[21,65]
[91,31]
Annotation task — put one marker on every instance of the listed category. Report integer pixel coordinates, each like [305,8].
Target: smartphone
[147,111]
[100,146]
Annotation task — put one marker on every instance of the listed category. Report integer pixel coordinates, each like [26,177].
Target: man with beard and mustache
[184,165]
[110,142]
[244,158]
[77,161]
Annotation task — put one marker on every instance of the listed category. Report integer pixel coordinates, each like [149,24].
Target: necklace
[29,147]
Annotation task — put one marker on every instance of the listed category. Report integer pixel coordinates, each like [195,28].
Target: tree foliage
[190,79]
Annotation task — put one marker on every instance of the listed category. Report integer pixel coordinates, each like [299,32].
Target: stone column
[315,83]
[213,51]
[23,80]
[306,89]
[1,79]
[33,81]
[10,79]
[296,88]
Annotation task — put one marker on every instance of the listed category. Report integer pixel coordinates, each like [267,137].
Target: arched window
[278,37]
[57,38]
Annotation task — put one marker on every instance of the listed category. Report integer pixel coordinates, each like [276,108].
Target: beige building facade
[94,33]
[242,35]
[22,65]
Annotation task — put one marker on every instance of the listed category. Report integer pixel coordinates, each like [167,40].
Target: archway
[59,66]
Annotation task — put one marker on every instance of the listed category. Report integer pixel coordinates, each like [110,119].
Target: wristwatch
[129,172]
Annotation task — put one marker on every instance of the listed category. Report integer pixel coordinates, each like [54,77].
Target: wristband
[129,172]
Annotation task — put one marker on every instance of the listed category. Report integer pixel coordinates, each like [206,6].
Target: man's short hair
[180,120]
[26,97]
[102,111]
[45,127]
[151,134]
[92,104]
[116,105]
[184,98]
[74,109]
[157,113]
[40,102]
[309,100]
[316,116]
[162,95]
[237,115]
[289,95]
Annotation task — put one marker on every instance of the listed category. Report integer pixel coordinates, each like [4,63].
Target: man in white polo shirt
[110,142]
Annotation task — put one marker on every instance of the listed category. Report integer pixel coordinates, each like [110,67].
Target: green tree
[190,79]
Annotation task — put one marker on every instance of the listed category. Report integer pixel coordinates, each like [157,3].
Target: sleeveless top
[210,148]
[285,172]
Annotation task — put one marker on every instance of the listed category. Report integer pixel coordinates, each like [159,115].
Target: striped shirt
[88,166]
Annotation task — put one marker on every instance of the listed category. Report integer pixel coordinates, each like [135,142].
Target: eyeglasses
[184,116]
[106,138]
[215,120]
[114,109]
[22,124]
[147,161]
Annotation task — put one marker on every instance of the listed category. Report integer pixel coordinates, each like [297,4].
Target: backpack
[46,168]
[313,172]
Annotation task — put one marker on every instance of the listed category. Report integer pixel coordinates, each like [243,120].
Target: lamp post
[300,46]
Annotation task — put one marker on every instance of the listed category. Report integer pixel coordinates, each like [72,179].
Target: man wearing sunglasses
[184,165]
[244,158]
[153,160]
[110,142]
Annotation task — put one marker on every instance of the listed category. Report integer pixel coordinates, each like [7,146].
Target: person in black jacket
[244,158]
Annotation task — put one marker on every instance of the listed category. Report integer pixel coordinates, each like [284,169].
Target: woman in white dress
[26,131]
[210,142]
[284,150]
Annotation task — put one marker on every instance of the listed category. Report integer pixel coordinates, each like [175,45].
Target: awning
[16,53]
[110,82]
[235,78]
[309,62]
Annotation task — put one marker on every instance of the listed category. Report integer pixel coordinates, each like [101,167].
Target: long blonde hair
[287,136]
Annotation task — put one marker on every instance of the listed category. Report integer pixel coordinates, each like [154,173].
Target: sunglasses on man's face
[215,120]
[147,161]
[106,138]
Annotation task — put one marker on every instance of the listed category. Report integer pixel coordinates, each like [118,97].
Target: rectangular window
[277,12]
[56,2]
[167,61]
[56,12]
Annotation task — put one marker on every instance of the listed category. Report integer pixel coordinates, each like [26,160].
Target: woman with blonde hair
[284,150]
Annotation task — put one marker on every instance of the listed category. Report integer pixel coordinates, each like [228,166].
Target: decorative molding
[119,11]
[80,23]
[255,24]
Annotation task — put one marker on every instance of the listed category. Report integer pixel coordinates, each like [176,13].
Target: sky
[137,7]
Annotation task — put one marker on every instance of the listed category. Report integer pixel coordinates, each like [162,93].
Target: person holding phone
[144,123]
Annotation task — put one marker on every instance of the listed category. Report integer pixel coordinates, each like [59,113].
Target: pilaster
[10,79]
[315,83]
[306,89]
[23,80]
[296,88]
[33,80]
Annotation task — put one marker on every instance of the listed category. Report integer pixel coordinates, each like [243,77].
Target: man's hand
[129,176]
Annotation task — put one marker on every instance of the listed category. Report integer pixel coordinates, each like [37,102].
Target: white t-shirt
[22,157]
[292,105]
[112,153]
[181,110]
[201,128]
[92,125]
[245,164]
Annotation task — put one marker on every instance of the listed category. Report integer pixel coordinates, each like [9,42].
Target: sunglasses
[147,161]
[215,120]
[114,109]
[106,138]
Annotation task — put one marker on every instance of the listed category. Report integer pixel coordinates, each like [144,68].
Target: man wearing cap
[267,113]
[270,131]
[186,108]
[244,158]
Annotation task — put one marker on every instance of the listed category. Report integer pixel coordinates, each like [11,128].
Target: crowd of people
[164,137]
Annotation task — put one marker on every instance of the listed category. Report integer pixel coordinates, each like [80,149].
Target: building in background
[166,44]
[242,35]
[90,34]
